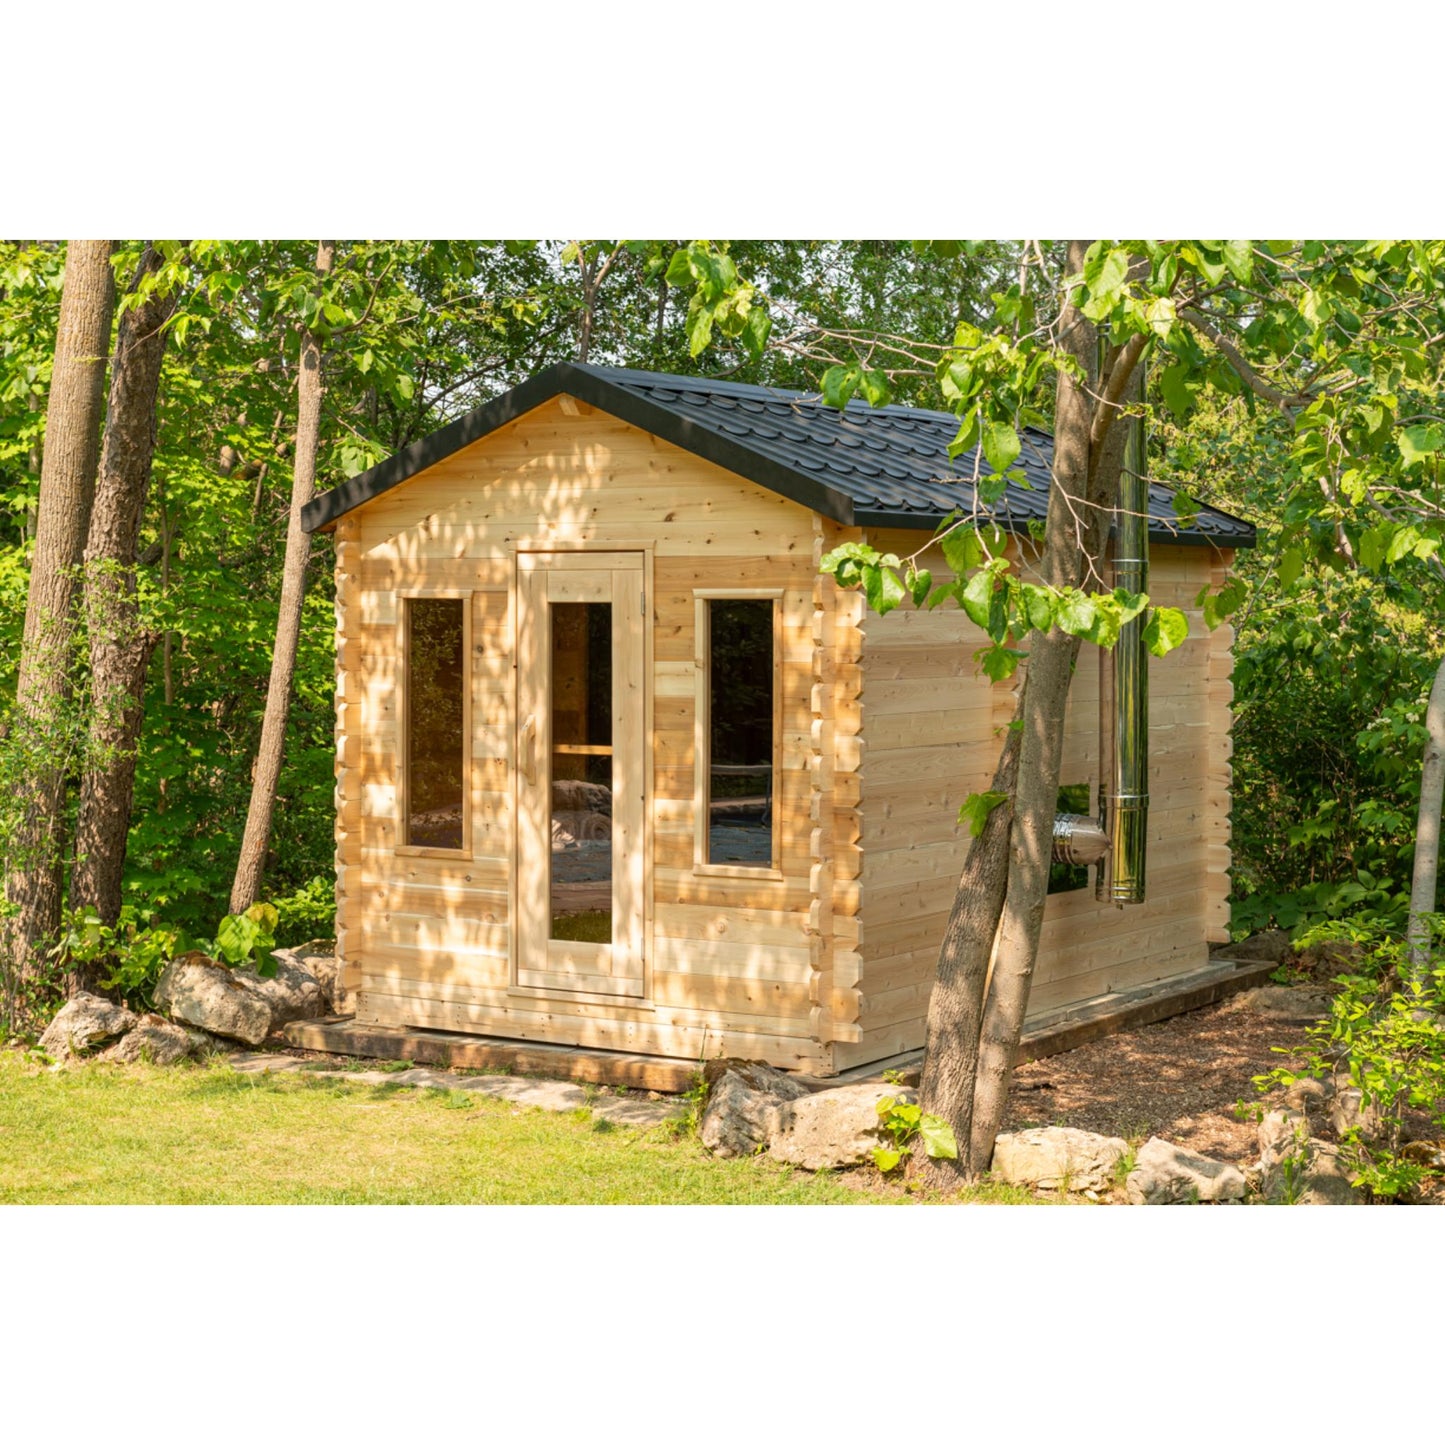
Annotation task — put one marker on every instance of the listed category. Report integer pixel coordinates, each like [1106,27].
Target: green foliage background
[1332,662]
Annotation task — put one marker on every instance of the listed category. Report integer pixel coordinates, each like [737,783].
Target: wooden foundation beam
[1072,1027]
[469,1051]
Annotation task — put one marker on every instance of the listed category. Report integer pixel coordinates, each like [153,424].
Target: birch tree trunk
[120,650]
[67,489]
[309,390]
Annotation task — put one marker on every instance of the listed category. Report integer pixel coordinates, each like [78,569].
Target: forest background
[1333,659]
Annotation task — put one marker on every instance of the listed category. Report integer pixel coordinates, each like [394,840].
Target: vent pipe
[1124,691]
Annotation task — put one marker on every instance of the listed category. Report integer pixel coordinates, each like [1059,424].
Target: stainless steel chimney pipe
[1124,692]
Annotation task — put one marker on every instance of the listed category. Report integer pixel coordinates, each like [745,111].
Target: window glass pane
[740,732]
[581,777]
[436,748]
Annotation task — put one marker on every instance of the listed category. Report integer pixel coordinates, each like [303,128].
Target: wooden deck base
[1077,1024]
[1050,1033]
[471,1051]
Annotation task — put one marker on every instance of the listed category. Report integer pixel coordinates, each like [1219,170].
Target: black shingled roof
[864,466]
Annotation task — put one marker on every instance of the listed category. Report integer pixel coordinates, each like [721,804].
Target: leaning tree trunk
[1041,743]
[955,1005]
[251,864]
[120,648]
[67,489]
[976,1016]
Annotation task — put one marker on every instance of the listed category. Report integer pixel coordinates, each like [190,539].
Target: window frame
[404,599]
[703,597]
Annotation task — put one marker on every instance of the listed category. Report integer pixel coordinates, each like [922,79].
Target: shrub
[1385,1034]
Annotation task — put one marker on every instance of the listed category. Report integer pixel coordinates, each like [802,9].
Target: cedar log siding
[931,727]
[733,964]
[885,729]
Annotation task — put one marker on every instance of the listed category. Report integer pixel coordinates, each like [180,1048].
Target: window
[434,812]
[737,741]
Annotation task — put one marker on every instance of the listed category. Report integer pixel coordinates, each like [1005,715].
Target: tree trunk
[251,865]
[120,650]
[975,1015]
[955,1006]
[1045,696]
[67,488]
[1427,828]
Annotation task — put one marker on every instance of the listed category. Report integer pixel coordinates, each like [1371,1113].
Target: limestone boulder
[1057,1158]
[1428,1153]
[748,1104]
[836,1128]
[320,960]
[1166,1174]
[294,992]
[1311,1097]
[1282,1003]
[157,1041]
[1348,1110]
[1313,1174]
[197,991]
[1271,946]
[1282,1133]
[85,1024]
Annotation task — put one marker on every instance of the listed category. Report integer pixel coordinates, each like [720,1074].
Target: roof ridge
[872,466]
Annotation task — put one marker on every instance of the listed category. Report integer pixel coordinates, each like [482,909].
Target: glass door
[580,772]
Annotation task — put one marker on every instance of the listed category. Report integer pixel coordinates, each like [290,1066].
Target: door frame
[580,554]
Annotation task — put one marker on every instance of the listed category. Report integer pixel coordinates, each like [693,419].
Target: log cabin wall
[734,962]
[931,730]
[825,961]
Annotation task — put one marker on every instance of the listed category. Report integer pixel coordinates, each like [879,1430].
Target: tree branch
[1256,383]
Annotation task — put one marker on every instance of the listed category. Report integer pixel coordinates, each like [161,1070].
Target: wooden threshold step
[471,1051]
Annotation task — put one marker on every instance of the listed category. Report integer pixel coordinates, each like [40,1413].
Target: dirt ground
[1180,1079]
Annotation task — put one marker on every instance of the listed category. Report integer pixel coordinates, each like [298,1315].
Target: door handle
[527,748]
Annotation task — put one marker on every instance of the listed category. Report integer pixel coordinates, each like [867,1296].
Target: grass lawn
[104,1134]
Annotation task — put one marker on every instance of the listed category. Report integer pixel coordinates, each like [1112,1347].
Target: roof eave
[575,379]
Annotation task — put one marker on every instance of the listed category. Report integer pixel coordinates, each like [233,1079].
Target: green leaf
[976,808]
[976,599]
[875,388]
[1105,272]
[887,1160]
[1001,445]
[755,334]
[679,269]
[1076,614]
[1402,543]
[967,435]
[918,585]
[1166,629]
[999,662]
[1038,606]
[1290,567]
[1372,546]
[1173,382]
[839,384]
[883,589]
[938,1137]
[699,327]
[955,378]
[1239,257]
[1315,308]
[962,550]
[1419,442]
